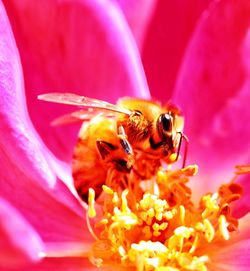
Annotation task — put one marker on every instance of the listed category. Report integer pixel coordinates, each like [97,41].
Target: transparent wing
[74,99]
[80,116]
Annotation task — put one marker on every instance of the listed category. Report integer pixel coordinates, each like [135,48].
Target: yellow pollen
[209,230]
[125,207]
[103,221]
[163,230]
[190,171]
[166,268]
[182,214]
[183,231]
[173,157]
[151,212]
[107,190]
[195,244]
[115,198]
[211,205]
[223,227]
[91,203]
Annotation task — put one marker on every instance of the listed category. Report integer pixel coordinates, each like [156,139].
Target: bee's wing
[80,116]
[73,99]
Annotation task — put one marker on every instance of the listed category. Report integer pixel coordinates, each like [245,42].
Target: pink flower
[91,47]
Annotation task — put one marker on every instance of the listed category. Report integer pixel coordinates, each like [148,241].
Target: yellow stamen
[107,190]
[194,245]
[182,214]
[211,205]
[125,207]
[223,227]
[166,268]
[173,157]
[91,202]
[209,230]
[115,198]
[163,230]
[91,212]
[190,171]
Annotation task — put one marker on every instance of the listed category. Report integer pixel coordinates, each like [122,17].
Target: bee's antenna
[186,148]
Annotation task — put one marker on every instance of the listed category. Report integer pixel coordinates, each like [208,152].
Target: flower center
[154,225]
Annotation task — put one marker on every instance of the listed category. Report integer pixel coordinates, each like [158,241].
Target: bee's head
[170,131]
[169,125]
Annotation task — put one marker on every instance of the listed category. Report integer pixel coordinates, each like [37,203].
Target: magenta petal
[70,264]
[138,14]
[53,220]
[26,177]
[20,145]
[18,139]
[73,46]
[235,257]
[165,42]
[64,264]
[235,253]
[19,242]
[213,90]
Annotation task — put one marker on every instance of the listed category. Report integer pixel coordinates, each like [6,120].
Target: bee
[135,136]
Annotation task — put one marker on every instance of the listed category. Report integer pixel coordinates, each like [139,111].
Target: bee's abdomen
[87,167]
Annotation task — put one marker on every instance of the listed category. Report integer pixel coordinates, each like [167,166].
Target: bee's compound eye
[166,122]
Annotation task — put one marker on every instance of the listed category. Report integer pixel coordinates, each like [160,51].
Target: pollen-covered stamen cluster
[163,230]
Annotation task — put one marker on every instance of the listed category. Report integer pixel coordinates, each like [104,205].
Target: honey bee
[135,136]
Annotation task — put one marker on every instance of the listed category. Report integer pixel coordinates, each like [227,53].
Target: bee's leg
[109,154]
[182,136]
[126,145]
[124,142]
[105,148]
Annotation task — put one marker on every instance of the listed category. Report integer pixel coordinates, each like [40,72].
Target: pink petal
[26,178]
[213,90]
[165,43]
[138,14]
[73,46]
[19,241]
[19,142]
[236,255]
[18,139]
[70,264]
[64,264]
[53,220]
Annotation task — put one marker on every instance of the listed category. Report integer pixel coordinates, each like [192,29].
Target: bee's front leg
[124,141]
[126,145]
